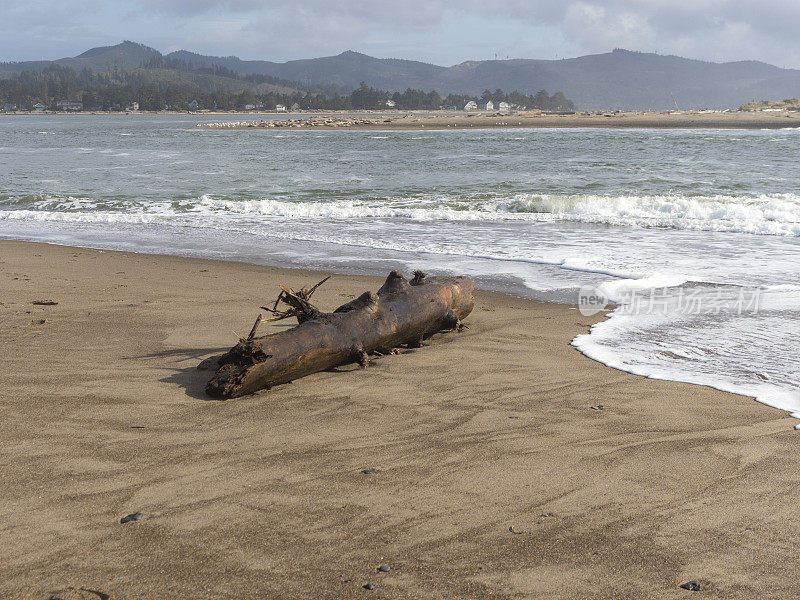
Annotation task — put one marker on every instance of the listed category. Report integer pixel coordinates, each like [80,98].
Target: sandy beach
[611,120]
[437,120]
[506,463]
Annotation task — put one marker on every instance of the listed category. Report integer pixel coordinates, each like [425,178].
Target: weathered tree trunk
[401,313]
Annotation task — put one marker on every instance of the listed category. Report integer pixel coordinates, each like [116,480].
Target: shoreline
[434,120]
[620,120]
[524,121]
[507,463]
[505,291]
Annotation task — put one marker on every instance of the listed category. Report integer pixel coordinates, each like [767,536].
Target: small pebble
[369,471]
[131,517]
[369,586]
[384,568]
[597,407]
[44,302]
[692,586]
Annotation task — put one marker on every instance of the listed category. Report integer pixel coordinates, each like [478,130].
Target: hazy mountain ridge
[125,55]
[621,79]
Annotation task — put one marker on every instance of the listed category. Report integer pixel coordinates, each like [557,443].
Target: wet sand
[494,476]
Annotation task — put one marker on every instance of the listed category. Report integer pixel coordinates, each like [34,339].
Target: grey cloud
[708,29]
[198,7]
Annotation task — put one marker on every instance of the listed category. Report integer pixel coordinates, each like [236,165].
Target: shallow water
[693,233]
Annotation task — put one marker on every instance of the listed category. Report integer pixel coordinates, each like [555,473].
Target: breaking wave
[777,214]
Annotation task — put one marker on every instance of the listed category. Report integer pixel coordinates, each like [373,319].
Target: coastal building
[471,105]
[489,105]
[71,106]
[391,103]
[504,106]
[8,107]
[295,107]
[280,108]
[257,106]
[133,106]
[194,104]
[39,106]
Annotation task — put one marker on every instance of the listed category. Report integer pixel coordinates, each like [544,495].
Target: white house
[72,106]
[133,106]
[257,106]
[471,105]
[280,108]
[39,106]
[391,103]
[504,106]
[295,107]
[489,105]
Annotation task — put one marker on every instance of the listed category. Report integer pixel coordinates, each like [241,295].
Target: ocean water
[691,236]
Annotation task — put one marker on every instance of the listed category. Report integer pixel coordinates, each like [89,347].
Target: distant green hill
[127,55]
[170,83]
[142,64]
[201,82]
[130,56]
[346,70]
[621,79]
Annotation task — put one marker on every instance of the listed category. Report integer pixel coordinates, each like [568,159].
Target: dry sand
[610,120]
[263,497]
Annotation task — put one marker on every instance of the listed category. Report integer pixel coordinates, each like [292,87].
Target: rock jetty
[298,123]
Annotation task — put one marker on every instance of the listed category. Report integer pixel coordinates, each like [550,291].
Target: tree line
[420,100]
[171,84]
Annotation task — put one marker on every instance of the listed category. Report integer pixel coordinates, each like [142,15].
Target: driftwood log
[402,313]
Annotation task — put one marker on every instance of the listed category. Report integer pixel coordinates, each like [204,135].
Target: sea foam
[777,214]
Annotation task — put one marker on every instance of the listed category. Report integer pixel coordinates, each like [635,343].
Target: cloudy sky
[444,32]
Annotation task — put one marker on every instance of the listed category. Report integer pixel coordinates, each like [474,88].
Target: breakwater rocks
[298,123]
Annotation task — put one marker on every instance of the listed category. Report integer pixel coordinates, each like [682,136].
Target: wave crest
[777,214]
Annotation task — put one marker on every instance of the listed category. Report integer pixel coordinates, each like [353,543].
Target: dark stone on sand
[369,471]
[44,302]
[384,568]
[131,517]
[692,586]
[369,586]
[597,407]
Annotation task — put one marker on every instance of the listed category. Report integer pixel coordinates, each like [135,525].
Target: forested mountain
[169,83]
[621,79]
[615,80]
[126,55]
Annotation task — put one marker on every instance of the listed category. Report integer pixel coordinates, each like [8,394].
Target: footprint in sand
[78,593]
